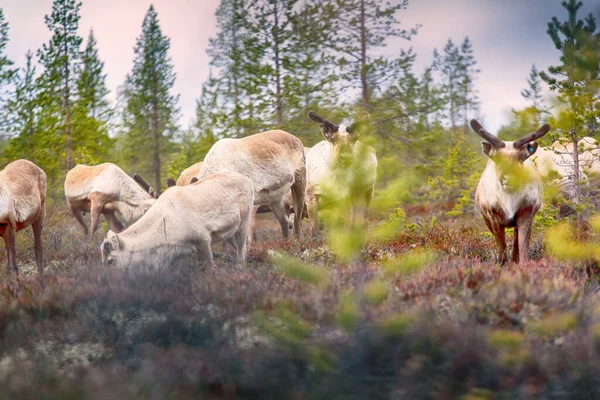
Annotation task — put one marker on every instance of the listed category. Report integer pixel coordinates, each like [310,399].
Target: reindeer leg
[277,208]
[298,194]
[114,224]
[312,203]
[79,217]
[96,208]
[37,227]
[252,226]
[515,253]
[9,241]
[524,224]
[206,253]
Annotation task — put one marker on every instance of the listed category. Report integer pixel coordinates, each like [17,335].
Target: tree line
[271,62]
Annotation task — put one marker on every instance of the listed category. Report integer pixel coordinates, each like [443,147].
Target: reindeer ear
[112,240]
[531,148]
[193,180]
[328,130]
[486,147]
[171,182]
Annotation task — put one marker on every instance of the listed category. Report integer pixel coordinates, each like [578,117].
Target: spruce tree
[7,75]
[576,78]
[363,27]
[470,99]
[449,66]
[24,109]
[61,58]
[533,93]
[151,110]
[228,52]
[91,110]
[272,39]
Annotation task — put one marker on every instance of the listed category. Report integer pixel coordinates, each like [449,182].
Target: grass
[451,324]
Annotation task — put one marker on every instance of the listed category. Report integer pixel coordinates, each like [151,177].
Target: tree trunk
[278,95]
[363,59]
[67,111]
[576,172]
[157,136]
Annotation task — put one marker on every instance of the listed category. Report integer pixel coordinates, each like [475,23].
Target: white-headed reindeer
[22,203]
[509,193]
[343,161]
[106,189]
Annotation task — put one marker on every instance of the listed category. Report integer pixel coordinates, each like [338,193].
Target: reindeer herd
[217,199]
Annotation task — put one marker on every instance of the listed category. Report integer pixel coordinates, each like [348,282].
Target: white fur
[187,219]
[492,191]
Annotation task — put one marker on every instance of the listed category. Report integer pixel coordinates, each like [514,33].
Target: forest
[416,306]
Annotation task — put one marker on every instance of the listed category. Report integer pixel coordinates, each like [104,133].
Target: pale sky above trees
[507,35]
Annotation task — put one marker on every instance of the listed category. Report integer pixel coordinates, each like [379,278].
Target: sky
[507,35]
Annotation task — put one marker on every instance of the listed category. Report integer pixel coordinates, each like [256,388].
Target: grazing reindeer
[187,176]
[274,161]
[22,203]
[326,161]
[187,219]
[106,189]
[510,190]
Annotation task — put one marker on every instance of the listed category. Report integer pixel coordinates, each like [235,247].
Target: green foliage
[150,113]
[7,75]
[61,60]
[299,270]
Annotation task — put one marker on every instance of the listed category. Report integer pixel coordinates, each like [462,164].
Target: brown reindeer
[22,203]
[106,189]
[509,193]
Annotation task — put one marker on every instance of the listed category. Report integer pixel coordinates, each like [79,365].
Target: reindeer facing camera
[509,193]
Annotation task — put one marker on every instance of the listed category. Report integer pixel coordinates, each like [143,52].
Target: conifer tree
[7,75]
[24,108]
[61,58]
[576,78]
[272,35]
[449,65]
[363,27]
[91,111]
[229,53]
[151,110]
[470,100]
[533,93]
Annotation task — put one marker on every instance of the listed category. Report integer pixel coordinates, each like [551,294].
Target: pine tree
[7,74]
[228,52]
[24,108]
[449,66]
[576,78]
[363,27]
[91,111]
[151,110]
[272,39]
[533,93]
[61,58]
[470,100]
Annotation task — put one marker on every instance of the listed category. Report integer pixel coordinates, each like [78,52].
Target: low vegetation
[426,314]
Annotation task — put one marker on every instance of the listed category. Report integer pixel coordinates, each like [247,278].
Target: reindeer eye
[530,148]
[110,261]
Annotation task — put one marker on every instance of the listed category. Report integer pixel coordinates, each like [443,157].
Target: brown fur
[24,185]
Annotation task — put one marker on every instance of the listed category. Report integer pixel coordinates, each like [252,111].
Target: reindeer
[187,176]
[22,203]
[342,160]
[509,193]
[106,189]
[274,161]
[187,219]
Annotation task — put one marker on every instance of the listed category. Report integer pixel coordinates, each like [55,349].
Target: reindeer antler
[488,137]
[327,125]
[532,136]
[144,184]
